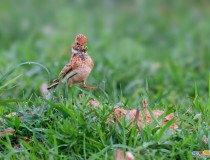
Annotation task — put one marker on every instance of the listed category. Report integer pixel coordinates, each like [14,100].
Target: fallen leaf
[119,155]
[135,115]
[93,102]
[2,134]
[129,156]
[131,114]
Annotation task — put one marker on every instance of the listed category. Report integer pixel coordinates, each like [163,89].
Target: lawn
[142,49]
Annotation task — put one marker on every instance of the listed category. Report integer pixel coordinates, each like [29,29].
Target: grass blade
[164,128]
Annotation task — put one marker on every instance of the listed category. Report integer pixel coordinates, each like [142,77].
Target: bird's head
[81,40]
[80,44]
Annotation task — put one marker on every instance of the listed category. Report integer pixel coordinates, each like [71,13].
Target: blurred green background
[160,48]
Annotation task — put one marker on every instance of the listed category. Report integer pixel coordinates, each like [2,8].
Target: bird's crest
[81,39]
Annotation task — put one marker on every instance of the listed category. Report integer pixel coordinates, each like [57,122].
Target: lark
[79,66]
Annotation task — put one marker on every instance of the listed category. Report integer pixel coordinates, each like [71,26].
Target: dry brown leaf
[168,118]
[2,134]
[129,156]
[119,155]
[131,114]
[122,113]
[93,102]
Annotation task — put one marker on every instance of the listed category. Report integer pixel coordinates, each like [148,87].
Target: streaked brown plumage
[79,66]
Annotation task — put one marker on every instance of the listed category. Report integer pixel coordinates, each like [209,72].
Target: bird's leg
[85,86]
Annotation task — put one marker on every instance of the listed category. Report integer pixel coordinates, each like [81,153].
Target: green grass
[158,50]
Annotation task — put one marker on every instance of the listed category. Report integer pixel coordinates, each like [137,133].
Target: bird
[79,66]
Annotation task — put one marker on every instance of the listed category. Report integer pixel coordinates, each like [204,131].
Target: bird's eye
[77,43]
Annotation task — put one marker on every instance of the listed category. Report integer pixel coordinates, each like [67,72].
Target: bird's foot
[90,87]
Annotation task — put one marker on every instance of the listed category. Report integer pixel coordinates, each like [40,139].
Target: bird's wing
[70,69]
[66,69]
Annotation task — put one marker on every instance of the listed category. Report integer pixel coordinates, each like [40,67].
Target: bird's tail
[53,85]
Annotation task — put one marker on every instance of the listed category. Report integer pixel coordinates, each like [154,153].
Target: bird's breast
[86,60]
